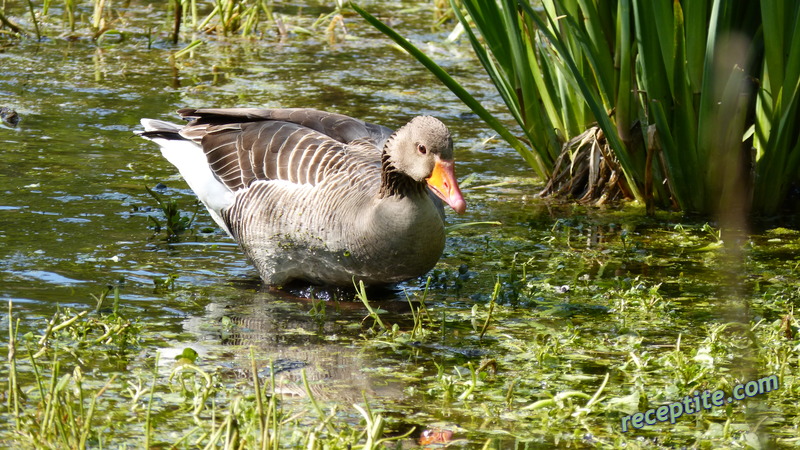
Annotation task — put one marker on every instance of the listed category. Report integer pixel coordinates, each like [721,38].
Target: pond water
[75,219]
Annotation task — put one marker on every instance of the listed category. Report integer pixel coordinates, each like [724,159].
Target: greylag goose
[317,196]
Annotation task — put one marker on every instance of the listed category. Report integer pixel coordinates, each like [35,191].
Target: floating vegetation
[174,223]
[528,362]
[71,387]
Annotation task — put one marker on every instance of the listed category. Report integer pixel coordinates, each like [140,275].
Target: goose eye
[421,149]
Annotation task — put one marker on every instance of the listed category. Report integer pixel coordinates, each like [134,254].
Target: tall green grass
[696,100]
[775,124]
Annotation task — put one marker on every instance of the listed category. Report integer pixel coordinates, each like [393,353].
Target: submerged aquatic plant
[175,223]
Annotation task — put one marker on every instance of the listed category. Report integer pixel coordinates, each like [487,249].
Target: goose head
[423,151]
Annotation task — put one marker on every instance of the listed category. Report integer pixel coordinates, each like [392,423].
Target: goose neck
[396,183]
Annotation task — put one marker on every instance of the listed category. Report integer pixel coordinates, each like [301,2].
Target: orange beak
[443,183]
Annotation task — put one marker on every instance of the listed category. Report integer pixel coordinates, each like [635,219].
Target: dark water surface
[74,210]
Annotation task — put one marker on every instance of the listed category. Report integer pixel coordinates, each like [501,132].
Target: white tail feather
[191,161]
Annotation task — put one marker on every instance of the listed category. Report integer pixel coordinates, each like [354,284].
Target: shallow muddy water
[74,220]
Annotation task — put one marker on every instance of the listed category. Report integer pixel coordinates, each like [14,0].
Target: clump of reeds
[694,99]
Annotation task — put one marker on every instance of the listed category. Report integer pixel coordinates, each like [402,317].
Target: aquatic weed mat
[565,366]
[94,379]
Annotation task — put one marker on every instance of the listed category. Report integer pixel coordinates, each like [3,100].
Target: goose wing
[344,129]
[301,146]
